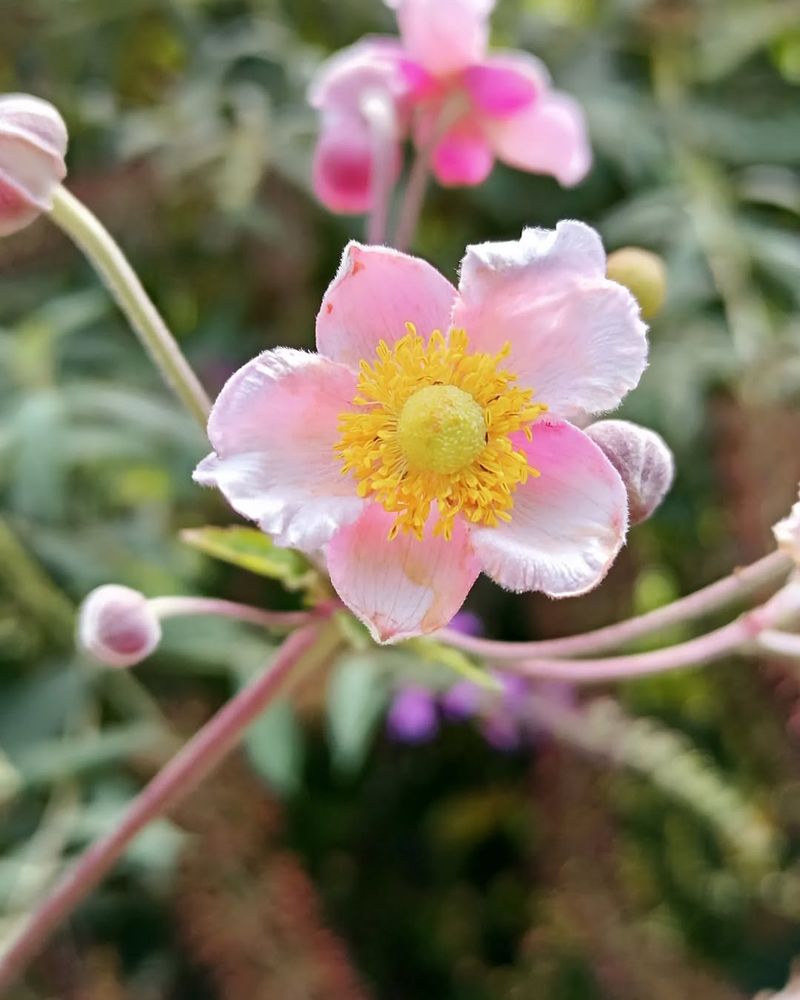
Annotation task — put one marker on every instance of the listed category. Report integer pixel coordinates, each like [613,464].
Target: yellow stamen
[432,423]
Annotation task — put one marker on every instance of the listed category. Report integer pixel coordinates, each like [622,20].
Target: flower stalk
[304,648]
[741,634]
[739,584]
[94,240]
[378,109]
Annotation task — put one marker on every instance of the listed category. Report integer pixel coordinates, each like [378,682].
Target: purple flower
[412,716]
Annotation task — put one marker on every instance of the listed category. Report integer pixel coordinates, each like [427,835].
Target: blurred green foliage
[612,858]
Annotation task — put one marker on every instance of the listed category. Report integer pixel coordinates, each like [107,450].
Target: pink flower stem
[413,200]
[731,588]
[172,784]
[740,634]
[97,244]
[378,109]
[785,644]
[419,175]
[179,607]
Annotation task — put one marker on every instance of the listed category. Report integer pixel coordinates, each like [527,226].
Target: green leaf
[252,550]
[274,744]
[358,694]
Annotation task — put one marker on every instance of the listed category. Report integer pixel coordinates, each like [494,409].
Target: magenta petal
[567,525]
[445,36]
[499,89]
[404,587]
[576,338]
[463,157]
[377,291]
[273,429]
[342,168]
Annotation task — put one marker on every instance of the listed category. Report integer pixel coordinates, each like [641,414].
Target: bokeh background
[615,858]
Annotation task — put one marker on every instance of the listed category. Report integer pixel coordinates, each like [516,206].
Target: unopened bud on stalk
[642,273]
[643,460]
[33,141]
[117,626]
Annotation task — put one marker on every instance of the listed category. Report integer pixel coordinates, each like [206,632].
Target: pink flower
[342,168]
[33,141]
[467,106]
[415,458]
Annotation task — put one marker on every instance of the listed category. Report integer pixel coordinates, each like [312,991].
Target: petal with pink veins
[445,36]
[576,338]
[463,156]
[567,525]
[273,429]
[404,587]
[377,291]
[549,137]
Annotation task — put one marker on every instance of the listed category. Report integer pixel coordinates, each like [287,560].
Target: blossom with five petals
[430,436]
[465,105]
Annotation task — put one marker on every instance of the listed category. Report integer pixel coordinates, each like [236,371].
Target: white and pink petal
[549,136]
[576,338]
[374,63]
[567,525]
[403,587]
[273,429]
[445,36]
[377,291]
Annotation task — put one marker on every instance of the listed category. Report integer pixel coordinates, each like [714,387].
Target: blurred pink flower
[33,141]
[413,458]
[467,106]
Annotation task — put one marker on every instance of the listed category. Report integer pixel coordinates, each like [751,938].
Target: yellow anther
[432,424]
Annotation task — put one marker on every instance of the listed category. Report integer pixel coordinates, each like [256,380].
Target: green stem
[94,240]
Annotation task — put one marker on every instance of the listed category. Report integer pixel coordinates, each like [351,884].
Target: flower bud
[33,141]
[643,460]
[117,626]
[642,273]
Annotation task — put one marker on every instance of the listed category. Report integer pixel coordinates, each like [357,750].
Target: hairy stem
[91,237]
[172,784]
[717,595]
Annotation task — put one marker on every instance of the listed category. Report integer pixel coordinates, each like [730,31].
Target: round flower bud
[642,273]
[117,626]
[33,141]
[643,460]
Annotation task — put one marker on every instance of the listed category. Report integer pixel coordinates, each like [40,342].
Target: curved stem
[786,644]
[714,645]
[739,584]
[92,238]
[179,607]
[413,200]
[172,784]
[378,109]
[419,175]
